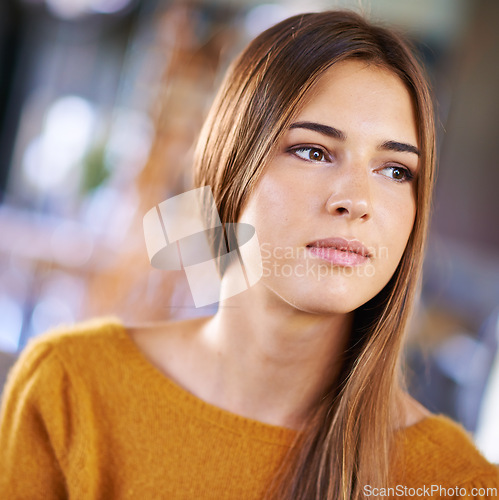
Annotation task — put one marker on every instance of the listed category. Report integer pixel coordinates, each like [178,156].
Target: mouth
[340,252]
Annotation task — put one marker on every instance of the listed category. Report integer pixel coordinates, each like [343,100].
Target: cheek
[396,216]
[401,230]
[408,216]
[272,204]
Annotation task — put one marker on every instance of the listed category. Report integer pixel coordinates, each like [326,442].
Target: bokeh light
[65,137]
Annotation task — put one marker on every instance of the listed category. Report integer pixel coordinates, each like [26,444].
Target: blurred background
[101,102]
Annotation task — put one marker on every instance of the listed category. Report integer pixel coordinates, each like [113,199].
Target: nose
[350,197]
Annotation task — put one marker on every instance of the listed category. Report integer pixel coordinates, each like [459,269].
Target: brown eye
[399,174]
[315,155]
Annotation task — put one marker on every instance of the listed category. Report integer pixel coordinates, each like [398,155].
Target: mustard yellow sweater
[85,416]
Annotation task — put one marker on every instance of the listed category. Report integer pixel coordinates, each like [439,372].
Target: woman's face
[335,206]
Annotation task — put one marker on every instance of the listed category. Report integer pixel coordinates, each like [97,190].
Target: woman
[322,138]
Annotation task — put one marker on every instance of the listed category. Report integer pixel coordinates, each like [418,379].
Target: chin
[318,298]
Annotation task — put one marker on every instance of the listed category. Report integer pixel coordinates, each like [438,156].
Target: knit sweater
[86,416]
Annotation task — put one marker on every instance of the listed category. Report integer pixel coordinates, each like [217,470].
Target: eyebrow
[401,147]
[322,129]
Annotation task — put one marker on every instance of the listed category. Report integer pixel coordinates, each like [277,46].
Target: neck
[273,362]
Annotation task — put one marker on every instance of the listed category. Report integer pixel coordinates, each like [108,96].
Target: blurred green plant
[95,170]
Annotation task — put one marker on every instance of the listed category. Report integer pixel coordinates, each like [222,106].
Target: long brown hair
[348,441]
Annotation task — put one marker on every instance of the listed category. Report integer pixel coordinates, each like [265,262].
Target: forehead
[355,93]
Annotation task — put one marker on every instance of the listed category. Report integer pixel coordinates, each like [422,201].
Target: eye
[397,173]
[309,153]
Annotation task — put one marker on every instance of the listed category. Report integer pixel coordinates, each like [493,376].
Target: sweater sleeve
[34,426]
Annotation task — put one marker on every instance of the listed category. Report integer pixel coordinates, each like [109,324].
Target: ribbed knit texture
[85,416]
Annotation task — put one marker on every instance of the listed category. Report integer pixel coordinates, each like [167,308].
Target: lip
[340,251]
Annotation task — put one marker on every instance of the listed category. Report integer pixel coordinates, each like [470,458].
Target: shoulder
[51,353]
[70,337]
[101,348]
[437,450]
[439,435]
[64,336]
